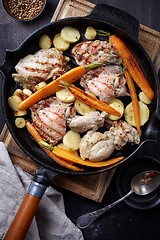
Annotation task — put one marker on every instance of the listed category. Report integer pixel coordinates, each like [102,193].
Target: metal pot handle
[118,18]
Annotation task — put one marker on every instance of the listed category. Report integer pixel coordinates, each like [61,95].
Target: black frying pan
[101,17]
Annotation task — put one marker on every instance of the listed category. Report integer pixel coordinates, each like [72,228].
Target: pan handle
[22,220]
[8,62]
[118,18]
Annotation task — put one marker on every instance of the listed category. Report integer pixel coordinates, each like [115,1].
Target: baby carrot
[134,98]
[73,158]
[131,65]
[52,87]
[38,139]
[88,99]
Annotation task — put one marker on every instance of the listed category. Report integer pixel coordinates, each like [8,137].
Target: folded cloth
[50,221]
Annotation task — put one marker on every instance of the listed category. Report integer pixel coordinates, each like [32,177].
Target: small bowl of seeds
[24,10]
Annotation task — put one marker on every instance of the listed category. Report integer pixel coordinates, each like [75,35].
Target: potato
[90,33]
[144,114]
[64,95]
[14,101]
[45,42]
[83,108]
[27,92]
[61,145]
[20,113]
[40,85]
[70,34]
[19,93]
[118,105]
[143,98]
[20,122]
[59,43]
[71,140]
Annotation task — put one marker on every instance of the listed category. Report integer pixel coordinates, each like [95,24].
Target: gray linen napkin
[50,221]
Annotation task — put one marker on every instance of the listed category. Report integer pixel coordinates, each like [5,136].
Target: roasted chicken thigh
[97,146]
[105,82]
[97,51]
[44,64]
[49,118]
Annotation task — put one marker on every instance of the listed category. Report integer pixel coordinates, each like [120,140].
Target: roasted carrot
[71,157]
[64,157]
[134,98]
[52,87]
[38,139]
[90,100]
[132,65]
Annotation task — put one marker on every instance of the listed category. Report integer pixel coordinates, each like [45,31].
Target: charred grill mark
[44,135]
[61,117]
[36,70]
[51,130]
[131,61]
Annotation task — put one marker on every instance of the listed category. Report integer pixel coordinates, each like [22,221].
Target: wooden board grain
[95,186]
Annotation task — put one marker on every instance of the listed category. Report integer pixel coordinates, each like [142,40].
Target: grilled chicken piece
[49,118]
[92,120]
[105,82]
[123,132]
[97,146]
[44,64]
[97,51]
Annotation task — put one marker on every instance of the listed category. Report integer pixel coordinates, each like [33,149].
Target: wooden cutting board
[95,186]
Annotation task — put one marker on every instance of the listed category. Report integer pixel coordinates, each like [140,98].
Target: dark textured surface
[122,222]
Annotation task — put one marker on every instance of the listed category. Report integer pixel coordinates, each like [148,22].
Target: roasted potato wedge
[14,101]
[20,113]
[71,140]
[70,34]
[90,33]
[40,85]
[19,93]
[20,122]
[59,43]
[144,114]
[82,108]
[45,42]
[64,95]
[27,92]
[118,105]
[144,99]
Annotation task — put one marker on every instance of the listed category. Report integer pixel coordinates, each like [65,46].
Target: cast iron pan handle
[118,18]
[21,222]
[8,62]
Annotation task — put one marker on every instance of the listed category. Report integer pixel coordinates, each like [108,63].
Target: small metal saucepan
[101,17]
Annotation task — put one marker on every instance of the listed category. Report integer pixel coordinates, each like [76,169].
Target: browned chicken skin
[49,118]
[105,82]
[88,52]
[41,66]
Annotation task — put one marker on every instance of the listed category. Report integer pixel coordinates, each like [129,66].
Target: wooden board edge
[92,194]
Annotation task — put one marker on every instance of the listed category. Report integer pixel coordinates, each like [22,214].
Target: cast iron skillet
[101,17]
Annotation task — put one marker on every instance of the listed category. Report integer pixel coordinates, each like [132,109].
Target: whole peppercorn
[25,9]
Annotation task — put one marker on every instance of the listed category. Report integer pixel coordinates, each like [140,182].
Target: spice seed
[25,9]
